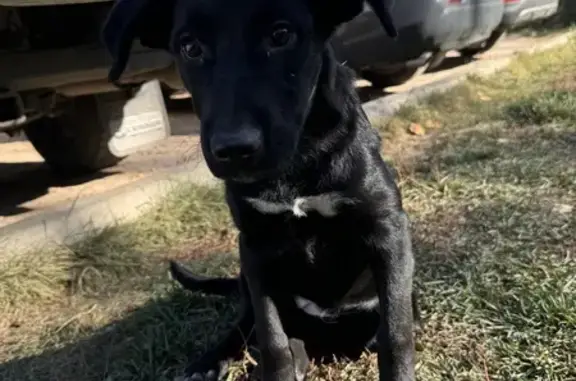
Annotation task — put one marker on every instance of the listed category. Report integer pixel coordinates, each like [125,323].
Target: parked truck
[54,87]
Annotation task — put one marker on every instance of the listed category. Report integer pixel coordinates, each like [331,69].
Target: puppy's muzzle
[237,147]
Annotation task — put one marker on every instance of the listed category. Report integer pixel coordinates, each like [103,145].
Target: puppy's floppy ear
[329,14]
[150,21]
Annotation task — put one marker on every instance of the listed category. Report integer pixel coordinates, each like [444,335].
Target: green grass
[495,232]
[491,191]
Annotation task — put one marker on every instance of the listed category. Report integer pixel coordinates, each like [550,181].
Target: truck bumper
[25,71]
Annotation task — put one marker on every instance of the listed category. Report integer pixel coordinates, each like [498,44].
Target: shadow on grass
[151,342]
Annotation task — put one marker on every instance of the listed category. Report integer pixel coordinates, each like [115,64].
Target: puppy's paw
[206,371]
[294,370]
[300,358]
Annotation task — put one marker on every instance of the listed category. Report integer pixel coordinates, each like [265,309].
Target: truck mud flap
[137,122]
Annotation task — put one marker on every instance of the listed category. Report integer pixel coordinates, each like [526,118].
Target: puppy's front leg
[275,354]
[393,267]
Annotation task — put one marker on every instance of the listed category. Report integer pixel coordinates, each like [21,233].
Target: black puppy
[325,249]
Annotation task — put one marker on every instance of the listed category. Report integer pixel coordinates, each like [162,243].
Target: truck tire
[75,142]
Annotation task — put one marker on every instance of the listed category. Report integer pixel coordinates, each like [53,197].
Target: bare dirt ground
[27,186]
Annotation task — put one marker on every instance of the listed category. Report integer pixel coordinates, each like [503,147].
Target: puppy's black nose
[243,144]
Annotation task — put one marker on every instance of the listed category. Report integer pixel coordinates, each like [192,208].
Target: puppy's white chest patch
[326,204]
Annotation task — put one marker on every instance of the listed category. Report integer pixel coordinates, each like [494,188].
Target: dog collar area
[326,204]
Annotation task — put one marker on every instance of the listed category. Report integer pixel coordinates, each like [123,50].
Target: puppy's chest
[325,275]
[320,256]
[329,287]
[318,233]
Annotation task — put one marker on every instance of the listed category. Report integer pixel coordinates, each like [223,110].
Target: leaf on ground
[416,129]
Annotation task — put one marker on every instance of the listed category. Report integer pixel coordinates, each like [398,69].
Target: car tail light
[455,2]
[510,1]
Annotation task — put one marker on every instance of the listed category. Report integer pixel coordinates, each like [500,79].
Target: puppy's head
[251,65]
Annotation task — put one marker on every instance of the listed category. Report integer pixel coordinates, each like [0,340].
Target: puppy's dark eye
[192,50]
[281,36]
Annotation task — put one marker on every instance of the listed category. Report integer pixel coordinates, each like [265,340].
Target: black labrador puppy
[325,248]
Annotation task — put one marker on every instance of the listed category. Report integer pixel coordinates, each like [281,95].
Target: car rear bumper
[378,49]
[527,11]
[362,43]
[451,28]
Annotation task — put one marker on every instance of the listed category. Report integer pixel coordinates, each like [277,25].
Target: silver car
[427,30]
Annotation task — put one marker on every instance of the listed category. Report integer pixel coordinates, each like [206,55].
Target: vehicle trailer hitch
[14,114]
